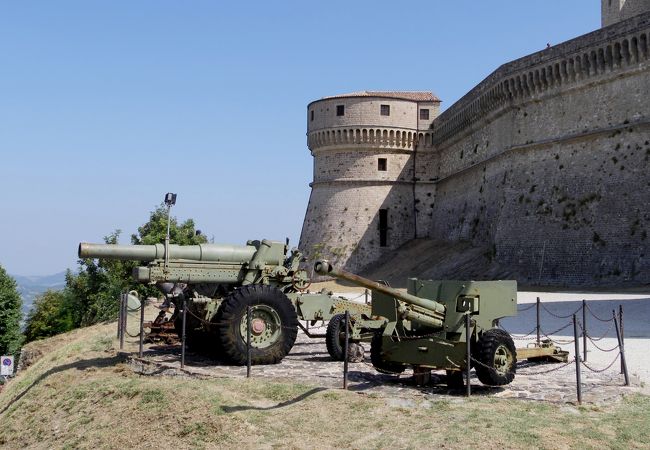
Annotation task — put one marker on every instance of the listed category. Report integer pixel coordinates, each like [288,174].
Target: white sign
[6,365]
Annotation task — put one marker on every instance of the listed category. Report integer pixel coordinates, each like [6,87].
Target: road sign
[6,365]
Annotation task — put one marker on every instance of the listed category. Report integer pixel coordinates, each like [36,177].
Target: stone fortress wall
[544,163]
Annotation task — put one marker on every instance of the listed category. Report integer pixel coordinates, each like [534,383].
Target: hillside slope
[76,391]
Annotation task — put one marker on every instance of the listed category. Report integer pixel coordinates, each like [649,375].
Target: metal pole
[183,335]
[249,320]
[539,342]
[584,329]
[119,318]
[123,311]
[142,302]
[577,350]
[621,348]
[345,350]
[620,324]
[468,335]
[366,294]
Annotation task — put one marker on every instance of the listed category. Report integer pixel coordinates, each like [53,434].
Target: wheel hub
[258,326]
[502,359]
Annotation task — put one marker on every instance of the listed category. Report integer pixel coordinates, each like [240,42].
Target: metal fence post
[468,326]
[620,324]
[123,313]
[141,351]
[584,329]
[183,336]
[538,326]
[249,320]
[366,294]
[345,350]
[577,350]
[621,349]
[119,317]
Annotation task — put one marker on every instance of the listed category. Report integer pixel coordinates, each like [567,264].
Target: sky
[106,106]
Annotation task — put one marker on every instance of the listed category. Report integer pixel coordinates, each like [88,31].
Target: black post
[584,329]
[366,293]
[142,303]
[119,319]
[249,320]
[620,324]
[621,349]
[468,334]
[538,326]
[183,336]
[123,312]
[577,350]
[345,349]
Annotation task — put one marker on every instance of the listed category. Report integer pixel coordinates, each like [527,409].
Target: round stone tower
[364,198]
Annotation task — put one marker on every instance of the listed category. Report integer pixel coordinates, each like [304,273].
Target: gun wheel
[498,358]
[335,337]
[377,359]
[274,325]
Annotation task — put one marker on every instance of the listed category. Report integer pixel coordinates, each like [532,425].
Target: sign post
[6,366]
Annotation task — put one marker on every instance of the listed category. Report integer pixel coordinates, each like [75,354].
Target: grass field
[79,393]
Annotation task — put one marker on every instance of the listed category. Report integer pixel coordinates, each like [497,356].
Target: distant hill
[30,286]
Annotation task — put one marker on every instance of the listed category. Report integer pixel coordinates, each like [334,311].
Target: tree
[51,314]
[91,295]
[10,314]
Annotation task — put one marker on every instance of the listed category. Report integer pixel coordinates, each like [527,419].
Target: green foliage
[10,314]
[91,295]
[51,314]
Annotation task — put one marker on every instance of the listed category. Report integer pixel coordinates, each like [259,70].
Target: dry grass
[81,394]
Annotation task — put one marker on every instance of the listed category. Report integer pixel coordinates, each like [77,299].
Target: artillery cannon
[218,283]
[425,327]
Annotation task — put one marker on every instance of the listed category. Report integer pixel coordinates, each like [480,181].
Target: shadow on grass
[301,397]
[79,365]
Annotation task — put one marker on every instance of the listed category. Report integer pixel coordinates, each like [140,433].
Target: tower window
[424,114]
[312,115]
[340,110]
[383,227]
[382,164]
[385,110]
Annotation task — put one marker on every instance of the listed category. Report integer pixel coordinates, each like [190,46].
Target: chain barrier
[526,337]
[542,372]
[557,315]
[548,335]
[611,325]
[526,308]
[602,349]
[611,319]
[601,370]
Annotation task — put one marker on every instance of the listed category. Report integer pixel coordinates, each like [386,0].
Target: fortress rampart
[544,164]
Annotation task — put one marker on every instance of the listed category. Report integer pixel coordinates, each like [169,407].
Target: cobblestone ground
[309,364]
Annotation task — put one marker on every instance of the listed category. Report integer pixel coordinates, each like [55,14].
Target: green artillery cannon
[425,328]
[218,283]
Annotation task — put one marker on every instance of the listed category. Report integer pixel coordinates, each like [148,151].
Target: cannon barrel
[323,267]
[200,252]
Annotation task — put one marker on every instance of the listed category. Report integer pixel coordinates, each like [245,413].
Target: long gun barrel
[323,267]
[200,252]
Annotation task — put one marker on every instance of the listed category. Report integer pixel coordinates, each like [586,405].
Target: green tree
[10,314]
[51,314]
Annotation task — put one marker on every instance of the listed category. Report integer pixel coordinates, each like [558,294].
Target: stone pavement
[309,364]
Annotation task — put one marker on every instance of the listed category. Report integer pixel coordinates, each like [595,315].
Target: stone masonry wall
[546,162]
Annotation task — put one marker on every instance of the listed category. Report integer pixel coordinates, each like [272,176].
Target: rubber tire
[486,347]
[333,337]
[378,362]
[233,311]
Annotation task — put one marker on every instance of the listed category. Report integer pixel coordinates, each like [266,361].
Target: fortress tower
[613,11]
[366,192]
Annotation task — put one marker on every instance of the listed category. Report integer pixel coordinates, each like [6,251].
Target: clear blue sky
[105,106]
